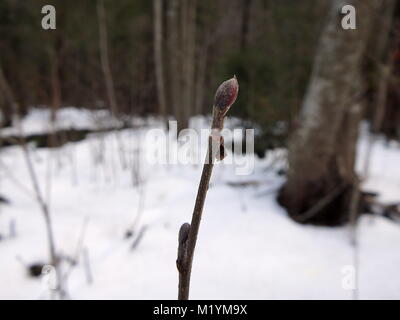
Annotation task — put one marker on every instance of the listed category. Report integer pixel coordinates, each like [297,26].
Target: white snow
[37,121]
[247,247]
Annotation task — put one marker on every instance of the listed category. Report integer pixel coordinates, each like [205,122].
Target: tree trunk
[105,59]
[55,97]
[10,97]
[181,27]
[245,24]
[200,78]
[387,118]
[158,57]
[105,64]
[384,60]
[322,150]
[188,26]
[205,35]
[173,49]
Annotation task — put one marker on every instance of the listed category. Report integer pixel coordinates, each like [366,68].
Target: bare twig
[140,209]
[5,88]
[105,65]
[78,251]
[225,96]
[139,237]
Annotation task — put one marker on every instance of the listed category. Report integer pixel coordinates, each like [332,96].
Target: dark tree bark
[173,54]
[245,23]
[105,65]
[387,119]
[181,59]
[322,150]
[158,56]
[105,58]
[188,31]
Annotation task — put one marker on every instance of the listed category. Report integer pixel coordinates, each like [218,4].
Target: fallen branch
[321,204]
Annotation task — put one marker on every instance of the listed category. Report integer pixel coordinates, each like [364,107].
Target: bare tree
[384,66]
[158,56]
[188,26]
[54,259]
[104,56]
[181,54]
[245,23]
[173,57]
[105,65]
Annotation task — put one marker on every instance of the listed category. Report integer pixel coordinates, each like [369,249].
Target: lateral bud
[182,246]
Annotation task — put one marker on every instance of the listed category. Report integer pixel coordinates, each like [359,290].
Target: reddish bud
[226,94]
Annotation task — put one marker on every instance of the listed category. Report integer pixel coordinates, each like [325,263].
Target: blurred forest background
[306,85]
[140,58]
[164,57]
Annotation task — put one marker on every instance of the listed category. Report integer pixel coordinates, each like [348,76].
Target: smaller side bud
[183,233]
[226,94]
[182,246]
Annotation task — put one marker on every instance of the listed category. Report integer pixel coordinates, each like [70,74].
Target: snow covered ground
[37,121]
[247,247]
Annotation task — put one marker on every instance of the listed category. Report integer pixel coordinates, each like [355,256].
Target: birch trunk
[322,150]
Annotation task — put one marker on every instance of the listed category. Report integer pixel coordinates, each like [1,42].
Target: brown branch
[224,98]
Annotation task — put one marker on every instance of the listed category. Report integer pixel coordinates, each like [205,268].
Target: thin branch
[139,237]
[225,96]
[79,249]
[5,88]
[106,68]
